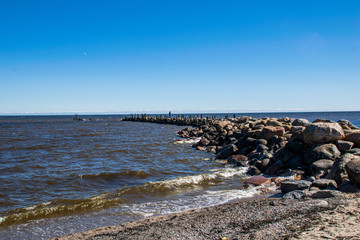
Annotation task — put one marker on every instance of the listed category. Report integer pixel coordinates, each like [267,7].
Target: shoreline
[250,218]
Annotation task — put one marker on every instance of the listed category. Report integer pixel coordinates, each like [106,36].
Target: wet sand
[256,218]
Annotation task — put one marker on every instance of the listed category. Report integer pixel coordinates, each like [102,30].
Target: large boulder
[204,141]
[296,194]
[346,124]
[258,180]
[338,171]
[227,151]
[238,160]
[300,122]
[321,165]
[353,136]
[283,155]
[271,131]
[324,183]
[353,170]
[322,132]
[222,123]
[292,185]
[344,146]
[274,168]
[321,151]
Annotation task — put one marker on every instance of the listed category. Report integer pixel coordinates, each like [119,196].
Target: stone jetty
[324,156]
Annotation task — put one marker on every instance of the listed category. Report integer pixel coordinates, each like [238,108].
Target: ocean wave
[111,176]
[184,183]
[57,208]
[128,195]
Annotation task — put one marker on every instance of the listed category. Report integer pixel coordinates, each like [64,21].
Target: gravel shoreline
[254,218]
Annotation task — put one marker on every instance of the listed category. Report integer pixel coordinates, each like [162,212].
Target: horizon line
[175,112]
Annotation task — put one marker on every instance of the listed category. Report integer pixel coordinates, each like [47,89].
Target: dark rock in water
[227,151]
[204,141]
[294,163]
[324,194]
[291,185]
[274,168]
[344,146]
[321,165]
[338,171]
[349,187]
[264,164]
[296,147]
[270,131]
[200,148]
[324,183]
[283,155]
[353,170]
[322,151]
[258,180]
[296,194]
[253,171]
[238,160]
[300,122]
[322,132]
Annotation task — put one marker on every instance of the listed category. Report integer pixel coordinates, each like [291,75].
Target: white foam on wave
[201,178]
[188,202]
[187,141]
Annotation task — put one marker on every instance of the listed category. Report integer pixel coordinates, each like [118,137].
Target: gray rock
[324,183]
[321,165]
[264,164]
[321,151]
[354,151]
[296,194]
[324,194]
[252,170]
[269,132]
[261,148]
[349,187]
[283,155]
[300,122]
[296,147]
[274,168]
[227,151]
[353,170]
[238,160]
[322,132]
[291,185]
[347,123]
[204,141]
[338,171]
[344,146]
[353,136]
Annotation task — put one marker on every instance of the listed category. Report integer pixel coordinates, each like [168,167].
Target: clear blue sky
[184,56]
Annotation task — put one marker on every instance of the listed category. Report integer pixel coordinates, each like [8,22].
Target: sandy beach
[254,218]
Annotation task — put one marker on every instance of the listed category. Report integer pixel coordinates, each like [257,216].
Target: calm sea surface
[59,176]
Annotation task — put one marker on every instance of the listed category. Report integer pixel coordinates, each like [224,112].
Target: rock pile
[324,154]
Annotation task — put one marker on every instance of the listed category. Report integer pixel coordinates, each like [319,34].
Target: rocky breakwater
[323,155]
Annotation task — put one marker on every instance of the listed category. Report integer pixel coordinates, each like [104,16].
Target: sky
[183,56]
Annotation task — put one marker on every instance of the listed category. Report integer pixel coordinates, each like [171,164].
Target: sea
[59,176]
